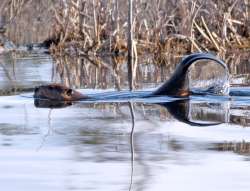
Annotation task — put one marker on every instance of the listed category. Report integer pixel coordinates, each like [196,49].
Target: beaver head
[57,92]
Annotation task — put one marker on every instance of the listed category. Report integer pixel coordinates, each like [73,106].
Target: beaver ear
[69,92]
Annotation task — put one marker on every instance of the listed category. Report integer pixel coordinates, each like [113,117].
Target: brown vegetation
[157,25]
[162,31]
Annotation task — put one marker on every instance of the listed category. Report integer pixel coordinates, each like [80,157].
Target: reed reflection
[242,148]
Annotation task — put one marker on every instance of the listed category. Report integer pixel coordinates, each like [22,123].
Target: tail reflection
[187,111]
[192,114]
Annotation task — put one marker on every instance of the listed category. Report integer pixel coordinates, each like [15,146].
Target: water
[22,72]
[94,146]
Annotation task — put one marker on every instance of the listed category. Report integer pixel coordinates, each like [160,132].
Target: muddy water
[197,144]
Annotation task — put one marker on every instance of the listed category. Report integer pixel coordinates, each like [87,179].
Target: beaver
[58,92]
[175,86]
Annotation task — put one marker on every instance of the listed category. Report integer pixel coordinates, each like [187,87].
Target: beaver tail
[175,86]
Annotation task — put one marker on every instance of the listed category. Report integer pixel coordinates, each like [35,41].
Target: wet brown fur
[57,92]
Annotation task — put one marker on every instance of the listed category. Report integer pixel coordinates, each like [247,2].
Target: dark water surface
[197,144]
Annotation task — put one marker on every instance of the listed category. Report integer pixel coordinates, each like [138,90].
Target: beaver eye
[69,92]
[36,89]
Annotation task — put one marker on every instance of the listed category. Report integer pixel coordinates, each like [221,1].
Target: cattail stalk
[130,45]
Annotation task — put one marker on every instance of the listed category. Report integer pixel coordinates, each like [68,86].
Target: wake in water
[209,77]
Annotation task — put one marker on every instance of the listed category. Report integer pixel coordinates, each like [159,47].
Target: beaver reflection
[40,103]
[182,110]
[187,112]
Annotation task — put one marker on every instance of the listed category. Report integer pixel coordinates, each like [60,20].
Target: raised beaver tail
[175,86]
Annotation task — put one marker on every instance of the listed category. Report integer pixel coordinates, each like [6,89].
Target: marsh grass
[158,26]
[163,31]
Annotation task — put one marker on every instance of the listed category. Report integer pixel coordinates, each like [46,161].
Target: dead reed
[198,25]
[161,29]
